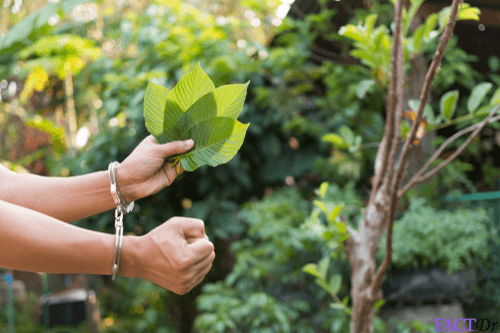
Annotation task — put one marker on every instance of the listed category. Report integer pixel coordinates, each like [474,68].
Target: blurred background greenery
[73,77]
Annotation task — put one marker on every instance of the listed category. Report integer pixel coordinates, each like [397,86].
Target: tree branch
[424,96]
[393,105]
[395,100]
[476,128]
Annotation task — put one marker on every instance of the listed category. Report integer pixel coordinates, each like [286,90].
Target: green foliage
[373,44]
[451,240]
[26,318]
[266,291]
[194,109]
[455,67]
[134,306]
[34,26]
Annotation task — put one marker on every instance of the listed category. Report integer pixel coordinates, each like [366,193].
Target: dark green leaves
[195,109]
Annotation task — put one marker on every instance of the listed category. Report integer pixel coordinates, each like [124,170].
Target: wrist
[130,256]
[126,189]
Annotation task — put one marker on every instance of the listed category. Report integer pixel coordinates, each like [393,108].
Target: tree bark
[364,244]
[361,249]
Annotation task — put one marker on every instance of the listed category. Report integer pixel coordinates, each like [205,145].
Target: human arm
[176,255]
[143,173]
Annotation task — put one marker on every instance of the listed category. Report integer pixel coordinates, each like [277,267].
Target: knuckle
[185,263]
[212,247]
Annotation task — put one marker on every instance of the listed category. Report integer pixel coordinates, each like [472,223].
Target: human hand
[176,255]
[145,171]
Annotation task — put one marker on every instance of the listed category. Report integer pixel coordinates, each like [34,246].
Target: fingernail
[189,142]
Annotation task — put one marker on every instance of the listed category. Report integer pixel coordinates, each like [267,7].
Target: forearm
[66,199]
[35,242]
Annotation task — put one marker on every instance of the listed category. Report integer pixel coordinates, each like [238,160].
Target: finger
[192,228]
[150,138]
[201,275]
[176,147]
[171,172]
[202,249]
[193,239]
[203,262]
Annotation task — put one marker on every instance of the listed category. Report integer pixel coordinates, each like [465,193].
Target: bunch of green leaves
[194,109]
[426,237]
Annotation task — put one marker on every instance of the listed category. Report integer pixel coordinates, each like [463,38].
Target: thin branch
[424,96]
[395,108]
[369,145]
[392,106]
[475,129]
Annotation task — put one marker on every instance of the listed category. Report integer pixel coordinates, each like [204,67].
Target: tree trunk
[361,250]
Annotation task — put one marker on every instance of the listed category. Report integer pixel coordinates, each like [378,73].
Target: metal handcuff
[122,207]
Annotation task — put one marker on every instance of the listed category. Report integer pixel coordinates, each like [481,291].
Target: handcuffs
[122,207]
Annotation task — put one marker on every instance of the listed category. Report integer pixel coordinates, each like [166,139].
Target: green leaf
[494,63]
[352,32]
[430,24]
[496,97]
[370,23]
[347,134]
[188,90]
[469,13]
[335,212]
[414,103]
[363,87]
[337,306]
[336,140]
[405,129]
[448,104]
[378,304]
[225,101]
[322,189]
[323,265]
[477,95]
[216,140]
[154,106]
[335,283]
[321,205]
[341,227]
[418,36]
[312,269]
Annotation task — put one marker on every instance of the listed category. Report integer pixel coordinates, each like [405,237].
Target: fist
[177,254]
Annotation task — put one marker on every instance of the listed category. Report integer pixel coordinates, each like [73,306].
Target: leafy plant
[195,109]
[266,291]
[426,237]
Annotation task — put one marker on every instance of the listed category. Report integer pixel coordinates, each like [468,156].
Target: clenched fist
[175,255]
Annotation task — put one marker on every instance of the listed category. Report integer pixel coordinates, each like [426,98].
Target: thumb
[176,148]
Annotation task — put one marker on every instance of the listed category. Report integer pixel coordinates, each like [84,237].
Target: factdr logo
[467,324]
